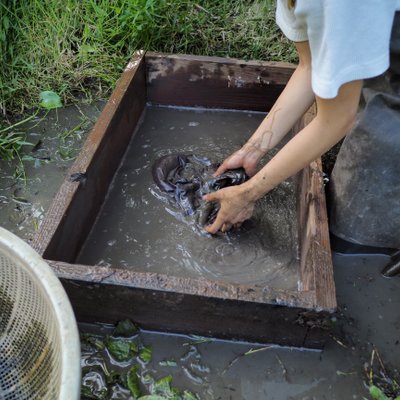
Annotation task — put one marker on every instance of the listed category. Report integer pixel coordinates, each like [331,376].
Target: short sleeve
[348,40]
[293,28]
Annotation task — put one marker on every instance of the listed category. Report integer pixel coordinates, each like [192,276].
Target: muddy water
[239,371]
[139,228]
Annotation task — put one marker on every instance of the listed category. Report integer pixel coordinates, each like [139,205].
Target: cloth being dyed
[187,178]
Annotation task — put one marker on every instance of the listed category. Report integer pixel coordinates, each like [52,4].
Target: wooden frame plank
[215,82]
[160,302]
[77,203]
[316,268]
[184,286]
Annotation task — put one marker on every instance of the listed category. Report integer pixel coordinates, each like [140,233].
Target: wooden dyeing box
[176,304]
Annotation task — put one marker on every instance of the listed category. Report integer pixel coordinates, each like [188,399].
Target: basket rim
[45,277]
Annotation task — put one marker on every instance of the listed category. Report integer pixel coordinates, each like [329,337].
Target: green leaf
[93,386]
[162,387]
[88,393]
[28,158]
[65,153]
[377,393]
[23,142]
[133,382]
[50,100]
[145,354]
[89,341]
[147,379]
[176,394]
[121,349]
[113,377]
[86,48]
[125,328]
[167,363]
[152,397]
[187,395]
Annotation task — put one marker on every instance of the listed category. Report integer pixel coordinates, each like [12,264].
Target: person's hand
[247,157]
[236,206]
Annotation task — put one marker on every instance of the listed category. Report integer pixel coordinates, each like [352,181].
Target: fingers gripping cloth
[187,178]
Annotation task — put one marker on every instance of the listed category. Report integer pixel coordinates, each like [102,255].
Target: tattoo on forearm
[267,136]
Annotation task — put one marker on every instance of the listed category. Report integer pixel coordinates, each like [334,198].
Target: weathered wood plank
[316,269]
[183,80]
[77,203]
[320,245]
[154,304]
[186,286]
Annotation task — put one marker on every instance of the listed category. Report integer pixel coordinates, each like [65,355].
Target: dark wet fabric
[187,178]
[365,182]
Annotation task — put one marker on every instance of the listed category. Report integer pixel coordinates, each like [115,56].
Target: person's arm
[333,120]
[293,102]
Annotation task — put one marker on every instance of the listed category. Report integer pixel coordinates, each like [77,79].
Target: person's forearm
[297,154]
[293,102]
[331,124]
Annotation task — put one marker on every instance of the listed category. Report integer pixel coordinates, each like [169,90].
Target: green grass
[75,46]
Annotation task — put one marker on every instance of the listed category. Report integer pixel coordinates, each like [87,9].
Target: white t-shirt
[349,39]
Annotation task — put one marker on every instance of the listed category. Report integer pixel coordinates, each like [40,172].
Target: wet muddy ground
[56,138]
[368,317]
